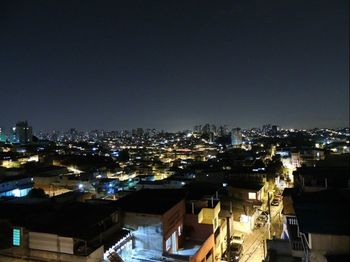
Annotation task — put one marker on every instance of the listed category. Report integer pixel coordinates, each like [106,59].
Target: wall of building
[147,230]
[221,240]
[173,220]
[243,194]
[195,230]
[50,242]
[208,215]
[205,249]
[24,254]
[332,244]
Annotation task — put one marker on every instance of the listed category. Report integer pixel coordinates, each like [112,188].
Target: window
[179,229]
[215,223]
[16,237]
[168,244]
[251,195]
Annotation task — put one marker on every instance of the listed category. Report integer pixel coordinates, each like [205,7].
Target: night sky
[174,64]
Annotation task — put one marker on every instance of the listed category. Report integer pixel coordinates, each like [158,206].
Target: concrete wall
[206,247]
[331,244]
[207,215]
[172,220]
[197,231]
[243,193]
[243,227]
[27,255]
[148,230]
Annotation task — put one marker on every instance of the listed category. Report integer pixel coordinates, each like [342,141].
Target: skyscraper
[236,137]
[2,135]
[24,132]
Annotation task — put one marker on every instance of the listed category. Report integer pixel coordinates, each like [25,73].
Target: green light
[16,237]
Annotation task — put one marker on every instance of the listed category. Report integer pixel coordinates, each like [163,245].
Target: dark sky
[173,64]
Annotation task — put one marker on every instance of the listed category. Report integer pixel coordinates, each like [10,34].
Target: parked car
[275,202]
[236,251]
[259,224]
[237,238]
[265,214]
[262,218]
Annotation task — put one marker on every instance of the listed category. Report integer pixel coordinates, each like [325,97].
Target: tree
[5,235]
[123,156]
[274,168]
[37,193]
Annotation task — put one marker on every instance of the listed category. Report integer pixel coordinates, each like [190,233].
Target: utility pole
[269,207]
[228,239]
[264,243]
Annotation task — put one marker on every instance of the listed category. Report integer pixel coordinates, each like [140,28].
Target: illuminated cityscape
[148,195]
[197,131]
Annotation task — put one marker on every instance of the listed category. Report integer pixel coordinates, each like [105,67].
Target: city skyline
[121,65]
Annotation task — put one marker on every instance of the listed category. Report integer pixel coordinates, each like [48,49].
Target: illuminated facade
[236,137]
[2,135]
[15,186]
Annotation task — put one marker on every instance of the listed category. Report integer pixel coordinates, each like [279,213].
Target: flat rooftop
[151,201]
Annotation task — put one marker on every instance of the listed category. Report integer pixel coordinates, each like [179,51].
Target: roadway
[254,243]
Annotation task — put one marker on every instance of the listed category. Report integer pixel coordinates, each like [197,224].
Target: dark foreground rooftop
[151,201]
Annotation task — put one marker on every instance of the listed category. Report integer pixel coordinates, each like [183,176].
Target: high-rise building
[197,129]
[2,135]
[275,129]
[206,129]
[266,129]
[24,132]
[236,137]
[223,130]
[138,132]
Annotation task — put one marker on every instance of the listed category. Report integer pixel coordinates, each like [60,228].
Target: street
[254,244]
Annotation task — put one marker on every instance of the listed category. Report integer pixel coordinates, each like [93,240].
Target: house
[42,230]
[311,179]
[15,185]
[155,217]
[316,225]
[203,224]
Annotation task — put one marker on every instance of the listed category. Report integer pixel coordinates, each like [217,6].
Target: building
[275,129]
[15,185]
[2,135]
[236,137]
[315,227]
[24,132]
[204,226]
[246,201]
[42,230]
[155,218]
[311,179]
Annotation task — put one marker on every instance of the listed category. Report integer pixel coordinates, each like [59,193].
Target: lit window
[252,195]
[16,237]
[16,192]
[168,244]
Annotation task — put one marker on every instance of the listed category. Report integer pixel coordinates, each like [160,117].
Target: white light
[80,186]
[245,219]
[16,192]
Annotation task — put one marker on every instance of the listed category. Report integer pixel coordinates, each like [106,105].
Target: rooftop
[323,212]
[77,220]
[151,201]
